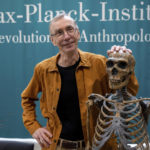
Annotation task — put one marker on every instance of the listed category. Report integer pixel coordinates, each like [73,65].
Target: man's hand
[117,48]
[43,136]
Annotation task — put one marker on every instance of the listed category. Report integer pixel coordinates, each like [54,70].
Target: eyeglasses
[60,33]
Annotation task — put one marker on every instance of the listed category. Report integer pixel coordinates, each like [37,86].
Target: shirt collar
[53,63]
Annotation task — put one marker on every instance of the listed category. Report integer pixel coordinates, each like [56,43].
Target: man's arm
[29,96]
[133,85]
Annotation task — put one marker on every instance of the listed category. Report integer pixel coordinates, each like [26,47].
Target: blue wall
[24,41]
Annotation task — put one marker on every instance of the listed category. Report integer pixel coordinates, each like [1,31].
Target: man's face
[65,35]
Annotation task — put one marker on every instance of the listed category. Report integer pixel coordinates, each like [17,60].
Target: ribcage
[125,121]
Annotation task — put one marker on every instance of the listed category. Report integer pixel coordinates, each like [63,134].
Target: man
[65,81]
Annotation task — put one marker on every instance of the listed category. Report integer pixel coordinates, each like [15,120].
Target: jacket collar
[83,63]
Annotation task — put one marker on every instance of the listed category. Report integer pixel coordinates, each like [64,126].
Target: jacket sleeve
[29,95]
[133,85]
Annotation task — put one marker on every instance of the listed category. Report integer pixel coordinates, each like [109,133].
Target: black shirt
[68,106]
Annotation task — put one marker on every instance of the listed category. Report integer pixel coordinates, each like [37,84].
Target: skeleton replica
[120,114]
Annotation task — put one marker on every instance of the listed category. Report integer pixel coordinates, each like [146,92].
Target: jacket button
[57,89]
[54,108]
[54,141]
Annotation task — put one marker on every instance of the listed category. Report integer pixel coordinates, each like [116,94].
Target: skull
[119,67]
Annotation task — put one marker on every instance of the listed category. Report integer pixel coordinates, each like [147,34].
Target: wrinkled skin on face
[119,67]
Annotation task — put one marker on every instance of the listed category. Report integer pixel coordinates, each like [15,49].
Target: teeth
[115,81]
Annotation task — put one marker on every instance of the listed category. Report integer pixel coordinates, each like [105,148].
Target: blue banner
[24,41]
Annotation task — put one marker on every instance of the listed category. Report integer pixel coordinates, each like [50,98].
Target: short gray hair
[60,16]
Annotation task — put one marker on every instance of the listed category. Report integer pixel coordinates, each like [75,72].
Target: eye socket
[122,64]
[109,63]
